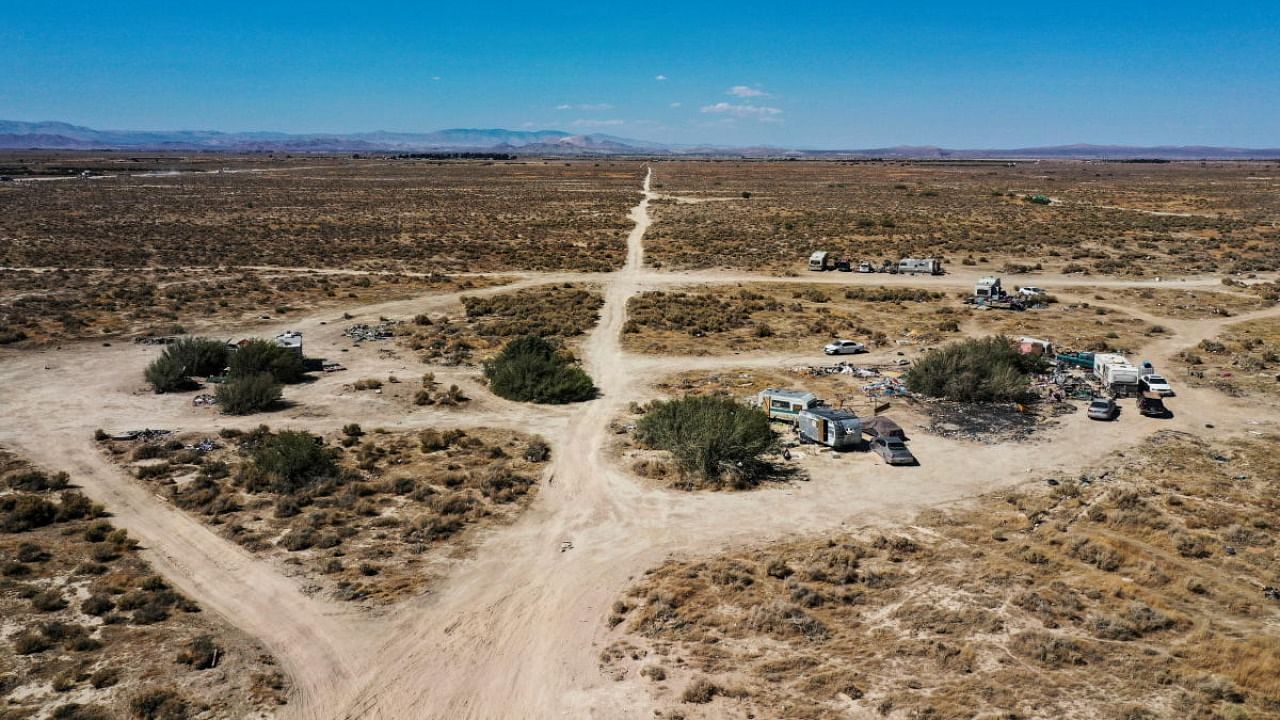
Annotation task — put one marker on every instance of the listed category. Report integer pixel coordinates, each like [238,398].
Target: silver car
[1103,409]
[844,347]
[892,450]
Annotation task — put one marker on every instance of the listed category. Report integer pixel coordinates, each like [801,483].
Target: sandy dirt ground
[517,629]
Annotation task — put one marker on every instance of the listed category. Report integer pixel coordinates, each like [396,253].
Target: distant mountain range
[16,135]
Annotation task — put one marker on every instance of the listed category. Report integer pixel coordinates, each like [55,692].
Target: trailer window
[780,405]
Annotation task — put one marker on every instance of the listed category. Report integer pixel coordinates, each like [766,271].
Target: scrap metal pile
[363,331]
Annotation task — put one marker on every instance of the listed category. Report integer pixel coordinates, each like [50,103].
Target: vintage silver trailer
[839,429]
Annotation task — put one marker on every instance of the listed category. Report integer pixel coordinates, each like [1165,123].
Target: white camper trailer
[915,266]
[988,288]
[1115,371]
[781,404]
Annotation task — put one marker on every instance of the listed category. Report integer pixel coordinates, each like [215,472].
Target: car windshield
[1155,379]
[1101,404]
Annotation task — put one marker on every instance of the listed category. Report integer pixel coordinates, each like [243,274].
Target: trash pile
[155,340]
[363,331]
[837,369]
[204,400]
[886,387]
[332,367]
[204,446]
[147,434]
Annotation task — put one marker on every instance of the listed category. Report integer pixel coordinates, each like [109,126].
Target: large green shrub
[184,358]
[200,356]
[248,394]
[290,461]
[167,374]
[986,369]
[259,356]
[530,369]
[716,439]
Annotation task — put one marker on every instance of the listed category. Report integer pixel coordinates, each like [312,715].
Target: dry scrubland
[486,324]
[1182,304]
[801,318]
[1243,360]
[90,632]
[56,305]
[971,211]
[371,525]
[414,215]
[1134,593]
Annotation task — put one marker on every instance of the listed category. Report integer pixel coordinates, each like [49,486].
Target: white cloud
[744,91]
[676,104]
[763,113]
[587,123]
[660,77]
[435,77]
[585,107]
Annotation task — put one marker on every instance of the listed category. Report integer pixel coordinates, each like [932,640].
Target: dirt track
[517,630]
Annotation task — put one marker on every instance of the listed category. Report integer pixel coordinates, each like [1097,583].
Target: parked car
[1031,291]
[1156,384]
[1103,409]
[865,267]
[844,347]
[1152,405]
[893,450]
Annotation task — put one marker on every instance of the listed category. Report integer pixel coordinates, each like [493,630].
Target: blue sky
[815,74]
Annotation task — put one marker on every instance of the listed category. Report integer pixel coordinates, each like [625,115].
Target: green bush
[167,374]
[986,369]
[529,369]
[290,461]
[20,513]
[263,356]
[199,356]
[248,394]
[716,439]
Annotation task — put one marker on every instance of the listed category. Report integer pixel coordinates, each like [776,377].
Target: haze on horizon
[1005,74]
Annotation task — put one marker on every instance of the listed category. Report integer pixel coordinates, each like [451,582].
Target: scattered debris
[205,399]
[204,446]
[886,387]
[363,331]
[147,434]
[333,367]
[566,545]
[156,340]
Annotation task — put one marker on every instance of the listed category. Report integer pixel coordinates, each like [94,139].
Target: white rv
[915,266]
[821,260]
[1114,370]
[988,288]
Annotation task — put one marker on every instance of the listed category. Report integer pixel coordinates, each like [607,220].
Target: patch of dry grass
[785,317]
[562,312]
[1082,600]
[1176,303]
[415,215]
[1243,360]
[372,529]
[970,213]
[55,305]
[85,620]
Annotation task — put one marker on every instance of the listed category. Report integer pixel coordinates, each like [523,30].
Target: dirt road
[517,630]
